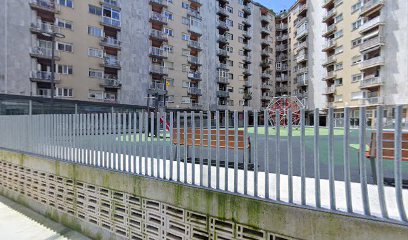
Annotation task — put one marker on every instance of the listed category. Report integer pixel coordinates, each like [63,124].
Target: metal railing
[268,161]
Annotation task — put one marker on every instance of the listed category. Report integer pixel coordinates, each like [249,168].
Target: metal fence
[315,167]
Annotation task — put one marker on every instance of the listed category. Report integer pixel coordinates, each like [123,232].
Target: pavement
[20,223]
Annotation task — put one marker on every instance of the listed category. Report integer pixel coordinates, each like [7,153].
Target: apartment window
[230,63]
[338,66]
[94,94]
[170,98]
[356,60]
[185,68]
[338,82]
[357,24]
[338,98]
[169,65]
[168,48]
[95,31]
[241,14]
[185,84]
[185,21]
[357,95]
[66,3]
[230,76]
[356,7]
[339,18]
[241,39]
[356,42]
[169,15]
[240,27]
[64,69]
[185,5]
[94,52]
[185,52]
[186,37]
[93,73]
[338,50]
[112,15]
[230,9]
[168,32]
[241,65]
[241,52]
[95,10]
[64,24]
[65,47]
[230,23]
[185,100]
[338,34]
[63,92]
[357,77]
[229,36]
[230,49]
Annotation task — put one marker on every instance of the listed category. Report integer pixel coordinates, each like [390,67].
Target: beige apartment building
[209,55]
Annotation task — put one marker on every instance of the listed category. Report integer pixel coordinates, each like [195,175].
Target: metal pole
[52,66]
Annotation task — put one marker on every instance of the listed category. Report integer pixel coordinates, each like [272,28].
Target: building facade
[207,55]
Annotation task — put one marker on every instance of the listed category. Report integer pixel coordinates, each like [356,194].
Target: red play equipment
[282,105]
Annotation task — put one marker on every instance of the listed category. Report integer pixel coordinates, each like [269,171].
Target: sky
[277,5]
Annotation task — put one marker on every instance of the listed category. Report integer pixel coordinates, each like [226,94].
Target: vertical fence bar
[80,139]
[134,142]
[209,149]
[363,171]
[236,140]
[201,148]
[151,142]
[185,118]
[331,160]
[158,143]
[164,146]
[346,155]
[129,142]
[123,141]
[255,153]
[316,158]
[178,146]
[140,142]
[146,150]
[171,145]
[246,153]
[290,157]
[397,163]
[93,137]
[114,138]
[266,149]
[217,150]
[193,140]
[302,157]
[379,162]
[227,147]
[277,154]
[100,140]
[88,137]
[109,143]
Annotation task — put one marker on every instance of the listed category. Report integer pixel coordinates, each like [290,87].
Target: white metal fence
[310,166]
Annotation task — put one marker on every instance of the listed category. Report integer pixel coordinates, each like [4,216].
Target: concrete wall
[221,215]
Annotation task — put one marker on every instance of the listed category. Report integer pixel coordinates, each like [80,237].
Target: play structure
[282,105]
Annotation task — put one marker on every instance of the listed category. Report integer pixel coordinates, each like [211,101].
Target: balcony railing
[194,13]
[282,79]
[371,5]
[161,3]
[111,82]
[371,23]
[45,5]
[194,59]
[330,75]
[112,61]
[158,52]
[222,38]
[194,75]
[111,42]
[222,24]
[282,37]
[375,100]
[303,80]
[158,69]
[195,28]
[194,44]
[224,80]
[330,29]
[111,22]
[222,94]
[44,52]
[158,17]
[157,34]
[44,27]
[266,75]
[44,76]
[329,14]
[371,81]
[222,52]
[331,89]
[194,91]
[112,3]
[329,60]
[267,97]
[301,57]
[372,43]
[281,26]
[329,44]
[372,62]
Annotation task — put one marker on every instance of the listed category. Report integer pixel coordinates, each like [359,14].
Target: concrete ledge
[286,220]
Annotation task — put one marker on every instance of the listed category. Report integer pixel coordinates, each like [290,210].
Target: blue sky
[277,5]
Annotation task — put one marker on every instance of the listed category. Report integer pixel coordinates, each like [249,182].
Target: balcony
[267,52]
[110,3]
[266,85]
[158,18]
[196,76]
[222,53]
[44,5]
[375,22]
[248,84]
[371,6]
[109,82]
[302,31]
[43,27]
[247,9]
[247,96]
[222,66]
[266,30]
[222,38]
[45,53]
[282,57]
[281,47]
[110,22]
[158,35]
[194,60]
[157,88]
[247,22]
[327,3]
[266,75]
[158,3]
[195,44]
[330,90]
[281,27]
[330,29]
[247,72]
[282,68]
[110,42]
[43,76]
[158,69]
[196,106]
[282,79]
[373,42]
[222,11]
[266,63]
[195,28]
[374,101]
[222,94]
[302,70]
[371,81]
[330,44]
[158,52]
[282,37]
[330,60]
[303,80]
[195,91]
[247,59]
[247,47]
[193,13]
[301,57]
[266,42]
[223,80]
[302,8]
[330,14]
[222,25]
[330,75]
[111,62]
[373,62]
[266,97]
[247,34]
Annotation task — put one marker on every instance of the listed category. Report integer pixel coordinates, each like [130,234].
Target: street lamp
[53,35]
